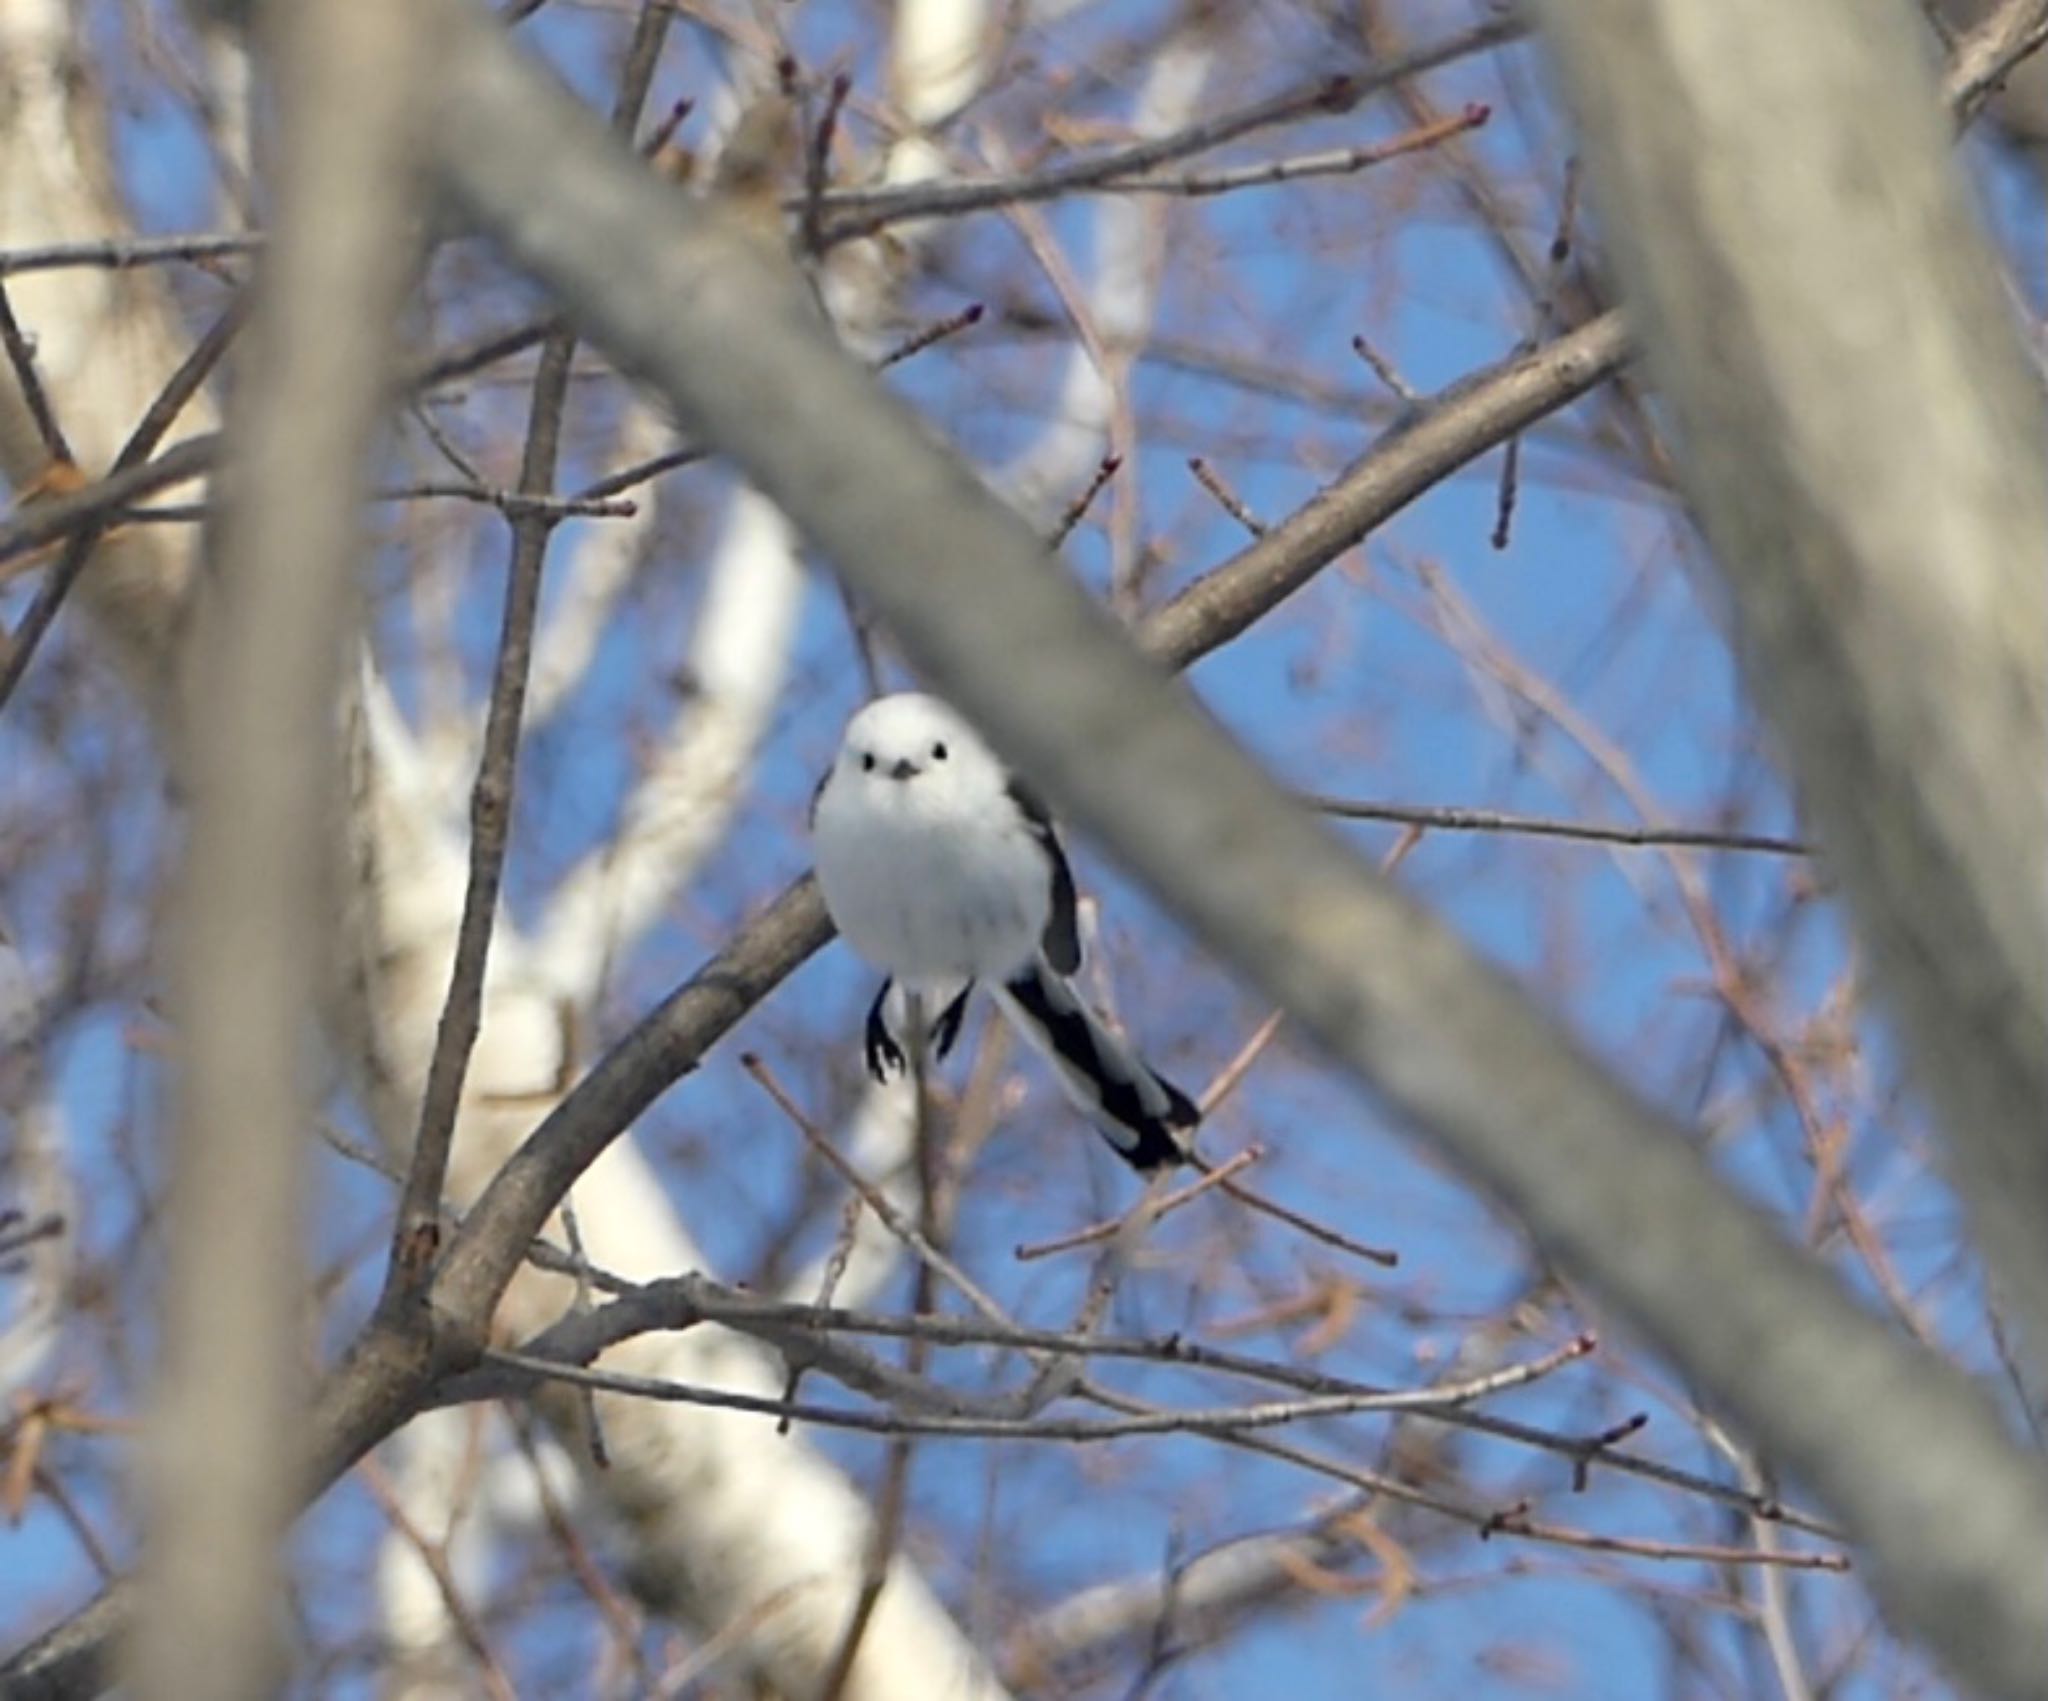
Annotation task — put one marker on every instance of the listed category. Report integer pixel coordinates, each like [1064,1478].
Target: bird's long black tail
[1145,1117]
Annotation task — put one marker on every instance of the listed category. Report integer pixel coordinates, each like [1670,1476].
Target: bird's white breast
[931,889]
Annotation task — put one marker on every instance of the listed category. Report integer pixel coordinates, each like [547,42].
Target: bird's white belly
[935,901]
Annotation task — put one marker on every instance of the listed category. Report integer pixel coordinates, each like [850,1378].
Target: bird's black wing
[1062,937]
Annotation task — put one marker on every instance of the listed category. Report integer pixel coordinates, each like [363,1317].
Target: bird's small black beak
[904,770]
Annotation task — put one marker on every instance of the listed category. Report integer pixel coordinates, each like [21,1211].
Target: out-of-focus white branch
[739,653]
[399,931]
[757,1534]
[728,1522]
[35,1189]
[1189,1604]
[434,1481]
[1042,478]
[937,65]
[587,586]
[229,95]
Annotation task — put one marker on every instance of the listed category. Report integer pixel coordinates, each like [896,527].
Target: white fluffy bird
[942,869]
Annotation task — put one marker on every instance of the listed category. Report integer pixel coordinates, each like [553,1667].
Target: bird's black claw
[885,1057]
[946,1030]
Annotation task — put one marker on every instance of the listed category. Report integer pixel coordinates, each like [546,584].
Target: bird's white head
[918,750]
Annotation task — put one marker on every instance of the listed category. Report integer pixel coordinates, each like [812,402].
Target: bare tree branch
[1449,430]
[1451,819]
[863,211]
[119,253]
[1985,57]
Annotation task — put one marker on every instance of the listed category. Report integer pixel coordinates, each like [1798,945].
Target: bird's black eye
[867,762]
[938,752]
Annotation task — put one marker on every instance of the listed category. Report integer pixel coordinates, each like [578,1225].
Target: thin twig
[1332,162]
[639,473]
[860,212]
[1515,1521]
[541,1253]
[937,331]
[1226,1080]
[20,1237]
[416,1235]
[1386,372]
[51,1486]
[1510,488]
[817,163]
[1075,509]
[664,132]
[572,1231]
[687,1301]
[1542,315]
[876,1200]
[1306,1225]
[1449,818]
[515,504]
[433,1556]
[1226,498]
[33,525]
[1206,1420]
[21,355]
[39,523]
[484,350]
[120,253]
[1172,1202]
[828,1285]
[890,1503]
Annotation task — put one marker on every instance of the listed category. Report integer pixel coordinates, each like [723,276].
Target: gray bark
[262,759]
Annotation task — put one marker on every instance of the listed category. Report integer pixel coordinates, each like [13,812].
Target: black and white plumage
[942,869]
